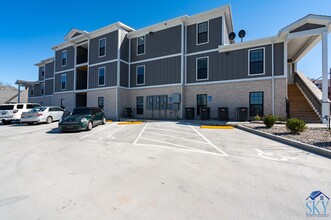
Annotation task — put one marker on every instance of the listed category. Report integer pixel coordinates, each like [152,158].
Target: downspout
[272,77]
[182,67]
[118,69]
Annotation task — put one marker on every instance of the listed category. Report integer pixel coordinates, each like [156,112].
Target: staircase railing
[311,91]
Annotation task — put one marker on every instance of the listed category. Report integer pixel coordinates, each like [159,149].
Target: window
[141,45]
[31,90]
[63,81]
[42,70]
[201,102]
[102,47]
[62,103]
[42,87]
[64,58]
[19,106]
[202,68]
[256,61]
[140,105]
[101,102]
[256,103]
[140,72]
[202,31]
[101,76]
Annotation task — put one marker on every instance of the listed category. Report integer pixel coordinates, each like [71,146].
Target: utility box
[128,112]
[223,114]
[242,113]
[189,113]
[204,113]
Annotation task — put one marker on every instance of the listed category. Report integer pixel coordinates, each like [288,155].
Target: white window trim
[196,68]
[144,45]
[197,33]
[104,76]
[249,62]
[64,51]
[137,75]
[105,47]
[65,81]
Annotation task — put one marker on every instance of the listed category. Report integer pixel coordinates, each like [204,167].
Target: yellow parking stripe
[216,126]
[130,123]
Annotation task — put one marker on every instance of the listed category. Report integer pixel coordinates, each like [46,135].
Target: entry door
[201,102]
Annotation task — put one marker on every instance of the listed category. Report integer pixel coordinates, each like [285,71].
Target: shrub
[269,120]
[295,125]
[257,118]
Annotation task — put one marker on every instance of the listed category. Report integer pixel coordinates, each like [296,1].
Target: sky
[28,29]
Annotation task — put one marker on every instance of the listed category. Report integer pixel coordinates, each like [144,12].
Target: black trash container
[189,113]
[223,113]
[204,113]
[242,113]
[127,112]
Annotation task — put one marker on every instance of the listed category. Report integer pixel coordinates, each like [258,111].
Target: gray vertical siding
[279,59]
[110,75]
[37,90]
[49,84]
[161,43]
[70,59]
[215,36]
[49,67]
[125,50]
[111,48]
[69,83]
[39,73]
[158,72]
[234,65]
[124,74]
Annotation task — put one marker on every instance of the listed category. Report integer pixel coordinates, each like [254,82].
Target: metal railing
[310,90]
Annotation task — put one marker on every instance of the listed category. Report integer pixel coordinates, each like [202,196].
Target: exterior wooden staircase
[300,107]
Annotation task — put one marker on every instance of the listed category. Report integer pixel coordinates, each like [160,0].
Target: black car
[82,118]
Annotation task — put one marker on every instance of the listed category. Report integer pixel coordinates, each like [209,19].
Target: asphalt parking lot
[154,170]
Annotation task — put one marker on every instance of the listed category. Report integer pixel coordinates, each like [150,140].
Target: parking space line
[186,139]
[173,131]
[142,131]
[175,127]
[181,149]
[207,140]
[97,131]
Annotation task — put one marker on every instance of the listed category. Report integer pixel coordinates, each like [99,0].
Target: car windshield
[81,111]
[38,109]
[6,107]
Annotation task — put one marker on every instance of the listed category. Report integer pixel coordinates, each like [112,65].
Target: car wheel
[49,120]
[89,126]
[103,120]
[6,122]
[30,123]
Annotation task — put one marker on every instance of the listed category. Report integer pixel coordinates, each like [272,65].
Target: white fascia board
[43,62]
[108,29]
[307,33]
[248,44]
[62,46]
[157,27]
[71,33]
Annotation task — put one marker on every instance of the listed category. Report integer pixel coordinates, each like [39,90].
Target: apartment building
[187,61]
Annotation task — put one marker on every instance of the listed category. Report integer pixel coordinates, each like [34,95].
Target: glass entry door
[201,102]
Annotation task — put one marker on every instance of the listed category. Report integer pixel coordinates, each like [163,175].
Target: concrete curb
[297,144]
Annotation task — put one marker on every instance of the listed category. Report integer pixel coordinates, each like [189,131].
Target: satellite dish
[242,34]
[232,36]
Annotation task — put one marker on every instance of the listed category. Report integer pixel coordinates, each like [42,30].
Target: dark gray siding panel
[222,66]
[161,43]
[110,75]
[125,49]
[70,59]
[215,36]
[49,84]
[111,48]
[159,72]
[69,84]
[124,74]
[279,59]
[307,27]
[49,70]
[37,90]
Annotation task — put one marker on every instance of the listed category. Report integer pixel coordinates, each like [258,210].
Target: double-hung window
[42,70]
[102,47]
[64,58]
[256,61]
[63,81]
[256,103]
[141,45]
[101,76]
[202,32]
[140,73]
[202,68]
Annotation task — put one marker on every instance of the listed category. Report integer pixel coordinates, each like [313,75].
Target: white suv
[13,112]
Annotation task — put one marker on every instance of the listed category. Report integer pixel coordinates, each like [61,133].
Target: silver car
[42,114]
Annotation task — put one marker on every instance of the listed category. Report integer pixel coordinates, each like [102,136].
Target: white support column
[325,100]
